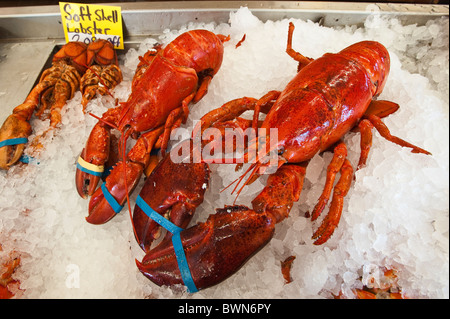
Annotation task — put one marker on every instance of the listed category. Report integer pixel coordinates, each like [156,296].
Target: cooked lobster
[327,98]
[167,80]
[56,86]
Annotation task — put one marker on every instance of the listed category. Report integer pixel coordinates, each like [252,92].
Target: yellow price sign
[89,22]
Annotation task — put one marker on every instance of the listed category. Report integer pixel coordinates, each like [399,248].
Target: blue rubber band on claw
[83,169]
[186,275]
[111,200]
[96,170]
[14,141]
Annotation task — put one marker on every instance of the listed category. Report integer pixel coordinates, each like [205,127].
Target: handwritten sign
[89,22]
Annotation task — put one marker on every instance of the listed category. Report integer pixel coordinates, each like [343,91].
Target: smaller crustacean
[56,86]
[99,80]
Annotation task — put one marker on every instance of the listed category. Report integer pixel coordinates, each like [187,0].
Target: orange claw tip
[85,183]
[10,155]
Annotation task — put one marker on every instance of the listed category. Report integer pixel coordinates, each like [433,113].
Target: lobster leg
[331,221]
[302,60]
[222,117]
[365,128]
[226,112]
[384,131]
[340,154]
[265,100]
[376,109]
[175,118]
[202,89]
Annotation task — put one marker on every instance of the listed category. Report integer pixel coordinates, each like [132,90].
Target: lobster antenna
[104,121]
[255,167]
[246,160]
[239,179]
[123,138]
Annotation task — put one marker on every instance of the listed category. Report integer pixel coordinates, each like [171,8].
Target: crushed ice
[395,215]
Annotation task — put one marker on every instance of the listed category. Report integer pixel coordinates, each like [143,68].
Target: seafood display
[56,86]
[347,208]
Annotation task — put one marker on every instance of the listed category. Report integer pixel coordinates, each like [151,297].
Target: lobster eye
[281,150]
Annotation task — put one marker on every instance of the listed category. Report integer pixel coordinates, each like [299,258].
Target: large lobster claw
[15,126]
[214,250]
[173,188]
[108,200]
[95,153]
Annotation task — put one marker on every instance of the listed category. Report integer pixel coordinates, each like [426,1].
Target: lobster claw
[108,200]
[214,249]
[92,160]
[174,188]
[13,127]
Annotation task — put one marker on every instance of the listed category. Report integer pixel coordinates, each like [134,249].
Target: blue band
[182,263]
[186,275]
[84,169]
[111,200]
[156,216]
[28,159]
[14,141]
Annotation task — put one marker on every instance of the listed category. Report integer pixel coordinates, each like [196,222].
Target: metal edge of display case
[37,31]
[142,19]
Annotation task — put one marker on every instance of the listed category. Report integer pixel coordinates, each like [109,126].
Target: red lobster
[328,97]
[166,82]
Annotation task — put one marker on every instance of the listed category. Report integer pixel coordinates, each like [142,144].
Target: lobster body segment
[151,102]
[325,100]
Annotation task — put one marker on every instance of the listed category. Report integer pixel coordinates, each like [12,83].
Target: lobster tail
[374,57]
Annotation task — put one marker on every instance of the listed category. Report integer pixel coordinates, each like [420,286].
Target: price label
[89,22]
